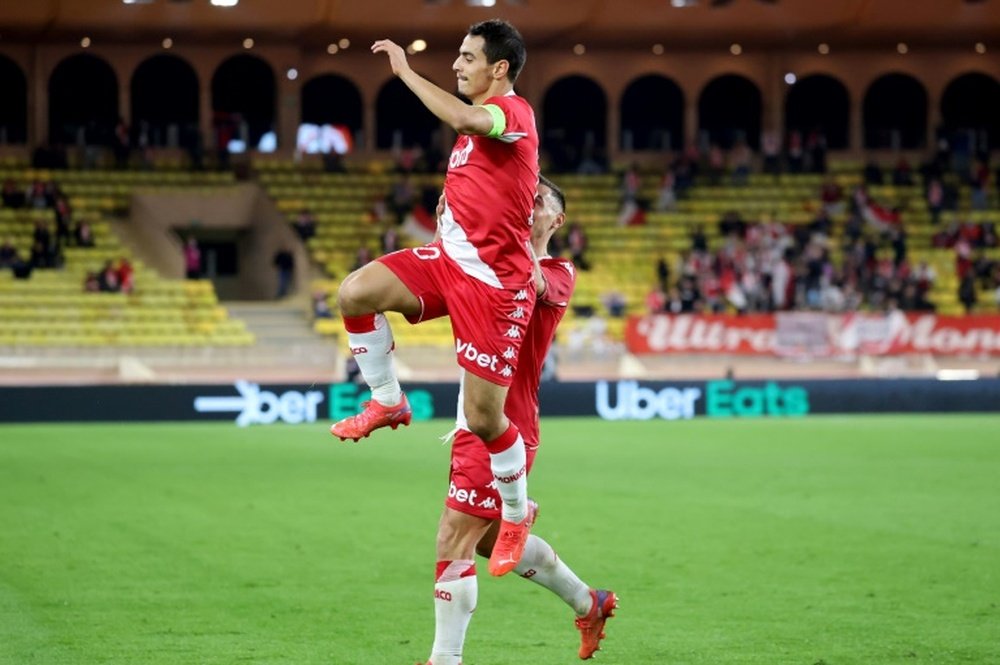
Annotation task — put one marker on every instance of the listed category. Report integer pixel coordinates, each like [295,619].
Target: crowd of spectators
[49,237]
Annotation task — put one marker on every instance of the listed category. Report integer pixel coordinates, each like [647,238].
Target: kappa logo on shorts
[513,332]
[472,354]
[517,313]
[506,371]
[521,295]
[509,353]
[489,503]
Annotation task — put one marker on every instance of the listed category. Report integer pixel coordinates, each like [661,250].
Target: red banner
[809,334]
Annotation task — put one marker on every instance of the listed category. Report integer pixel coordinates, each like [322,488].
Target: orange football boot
[373,416]
[591,627]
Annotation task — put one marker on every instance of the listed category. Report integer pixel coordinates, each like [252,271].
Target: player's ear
[500,68]
[558,221]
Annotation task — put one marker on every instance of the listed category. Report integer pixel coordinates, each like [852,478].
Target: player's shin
[542,565]
[509,464]
[370,339]
[455,594]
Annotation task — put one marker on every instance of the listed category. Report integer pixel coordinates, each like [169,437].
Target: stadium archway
[331,99]
[729,110]
[652,115]
[819,103]
[574,120]
[895,113]
[401,119]
[165,101]
[83,100]
[971,103]
[14,110]
[244,93]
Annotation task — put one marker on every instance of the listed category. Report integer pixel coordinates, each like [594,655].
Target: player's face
[545,213]
[471,69]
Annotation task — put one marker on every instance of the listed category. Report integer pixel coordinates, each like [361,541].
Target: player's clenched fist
[397,56]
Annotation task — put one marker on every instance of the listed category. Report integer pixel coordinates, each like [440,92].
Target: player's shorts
[471,487]
[488,323]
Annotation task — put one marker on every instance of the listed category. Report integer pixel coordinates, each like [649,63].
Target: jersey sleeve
[514,115]
[560,278]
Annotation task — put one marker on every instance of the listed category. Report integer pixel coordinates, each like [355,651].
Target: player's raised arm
[462,117]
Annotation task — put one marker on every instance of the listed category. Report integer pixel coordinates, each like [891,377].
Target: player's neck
[496,89]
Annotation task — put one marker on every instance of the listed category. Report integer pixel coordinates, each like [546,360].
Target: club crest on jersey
[460,156]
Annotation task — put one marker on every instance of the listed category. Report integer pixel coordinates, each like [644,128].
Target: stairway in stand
[284,332]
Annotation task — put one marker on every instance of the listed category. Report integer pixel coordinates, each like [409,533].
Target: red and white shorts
[488,323]
[471,487]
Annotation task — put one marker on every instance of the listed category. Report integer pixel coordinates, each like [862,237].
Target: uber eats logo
[346,399]
[627,400]
[724,400]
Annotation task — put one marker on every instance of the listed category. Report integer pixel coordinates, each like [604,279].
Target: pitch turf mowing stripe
[837,540]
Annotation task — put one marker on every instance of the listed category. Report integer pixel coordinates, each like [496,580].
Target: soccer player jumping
[480,272]
[470,521]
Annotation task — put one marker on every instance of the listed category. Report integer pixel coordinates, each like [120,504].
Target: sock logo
[514,477]
[358,350]
[441,594]
[528,574]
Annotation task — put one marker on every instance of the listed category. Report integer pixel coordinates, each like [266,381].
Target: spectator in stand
[666,197]
[126,275]
[741,160]
[12,196]
[615,303]
[716,165]
[967,292]
[321,306]
[390,240]
[699,242]
[91,283]
[21,268]
[831,196]
[122,143]
[795,152]
[935,199]
[902,175]
[689,295]
[64,218]
[816,147]
[284,262]
[402,197]
[656,300]
[83,235]
[35,197]
[731,224]
[362,258]
[980,182]
[8,253]
[107,279]
[305,225]
[662,273]
[192,258]
[576,241]
[771,149]
[873,173]
[673,305]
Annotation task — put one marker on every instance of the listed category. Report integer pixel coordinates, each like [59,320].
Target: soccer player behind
[470,521]
[480,272]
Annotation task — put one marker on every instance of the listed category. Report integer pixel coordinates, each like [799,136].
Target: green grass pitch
[867,540]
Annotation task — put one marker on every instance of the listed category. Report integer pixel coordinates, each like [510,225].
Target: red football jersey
[489,197]
[522,399]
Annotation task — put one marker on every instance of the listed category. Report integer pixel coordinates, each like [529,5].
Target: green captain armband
[499,121]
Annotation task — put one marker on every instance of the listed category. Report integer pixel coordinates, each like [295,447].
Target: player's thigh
[482,405]
[458,534]
[376,288]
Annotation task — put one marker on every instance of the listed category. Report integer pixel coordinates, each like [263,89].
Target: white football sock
[373,353]
[511,477]
[454,602]
[542,565]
